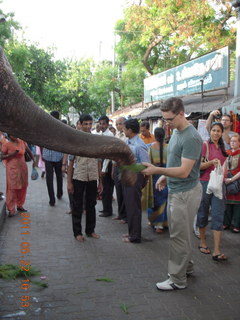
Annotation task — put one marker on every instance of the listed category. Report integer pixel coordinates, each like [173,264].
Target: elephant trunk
[22,118]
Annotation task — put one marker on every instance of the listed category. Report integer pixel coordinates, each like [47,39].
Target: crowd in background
[89,180]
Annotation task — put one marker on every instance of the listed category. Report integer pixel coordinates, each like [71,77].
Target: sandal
[219,257]
[204,250]
[21,209]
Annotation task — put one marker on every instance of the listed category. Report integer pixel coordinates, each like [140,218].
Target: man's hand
[161,183]
[151,169]
[215,113]
[70,188]
[100,187]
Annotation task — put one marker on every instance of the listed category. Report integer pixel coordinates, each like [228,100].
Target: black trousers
[50,168]
[84,190]
[119,192]
[132,198]
[108,186]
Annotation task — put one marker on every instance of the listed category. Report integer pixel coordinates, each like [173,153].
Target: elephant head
[21,117]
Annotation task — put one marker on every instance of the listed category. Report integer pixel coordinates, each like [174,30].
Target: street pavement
[72,270]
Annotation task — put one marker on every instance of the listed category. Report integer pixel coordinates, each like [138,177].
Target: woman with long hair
[216,153]
[16,174]
[232,173]
[156,201]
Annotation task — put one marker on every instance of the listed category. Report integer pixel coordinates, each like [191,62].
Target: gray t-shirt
[184,144]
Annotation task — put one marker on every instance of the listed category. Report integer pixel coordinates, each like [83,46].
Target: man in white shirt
[108,183]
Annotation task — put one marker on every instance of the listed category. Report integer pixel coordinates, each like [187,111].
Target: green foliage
[124,308]
[12,271]
[8,28]
[78,76]
[155,35]
[132,83]
[104,80]
[163,33]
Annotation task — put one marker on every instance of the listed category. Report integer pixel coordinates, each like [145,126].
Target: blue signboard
[206,73]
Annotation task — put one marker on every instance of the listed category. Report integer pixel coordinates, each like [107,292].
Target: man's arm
[213,114]
[70,176]
[100,186]
[174,172]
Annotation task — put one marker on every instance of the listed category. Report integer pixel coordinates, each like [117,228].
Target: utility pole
[236,5]
[113,64]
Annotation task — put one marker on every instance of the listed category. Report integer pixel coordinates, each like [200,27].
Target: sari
[16,175]
[155,201]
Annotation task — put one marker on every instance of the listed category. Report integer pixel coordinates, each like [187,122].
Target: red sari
[16,175]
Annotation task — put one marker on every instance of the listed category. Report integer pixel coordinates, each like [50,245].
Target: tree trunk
[148,52]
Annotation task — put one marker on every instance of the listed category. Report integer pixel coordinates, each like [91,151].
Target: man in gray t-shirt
[185,191]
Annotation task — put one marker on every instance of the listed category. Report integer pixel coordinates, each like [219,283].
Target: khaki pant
[182,207]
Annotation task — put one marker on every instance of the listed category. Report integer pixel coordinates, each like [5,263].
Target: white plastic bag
[215,182]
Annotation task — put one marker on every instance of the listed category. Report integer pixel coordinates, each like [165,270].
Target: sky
[77,28]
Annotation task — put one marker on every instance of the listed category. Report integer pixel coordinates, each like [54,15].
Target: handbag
[215,182]
[233,187]
[27,157]
[34,174]
[205,159]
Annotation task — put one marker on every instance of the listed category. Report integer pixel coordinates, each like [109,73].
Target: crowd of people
[177,169]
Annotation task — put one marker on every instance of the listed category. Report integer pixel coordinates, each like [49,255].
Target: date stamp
[25,264]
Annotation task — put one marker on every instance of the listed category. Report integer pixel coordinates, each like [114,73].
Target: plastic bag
[34,174]
[215,182]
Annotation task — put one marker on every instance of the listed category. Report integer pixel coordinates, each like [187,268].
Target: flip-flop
[204,248]
[219,257]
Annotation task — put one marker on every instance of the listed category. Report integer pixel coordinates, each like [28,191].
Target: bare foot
[94,235]
[159,230]
[80,238]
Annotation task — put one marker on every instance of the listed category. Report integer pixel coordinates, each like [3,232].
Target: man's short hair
[104,118]
[145,124]
[85,117]
[229,116]
[172,104]
[55,114]
[132,124]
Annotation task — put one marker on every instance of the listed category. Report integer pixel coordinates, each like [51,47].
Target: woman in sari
[156,201]
[16,174]
[232,166]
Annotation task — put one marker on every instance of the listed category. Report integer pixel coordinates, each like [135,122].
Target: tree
[7,27]
[104,81]
[164,33]
[78,77]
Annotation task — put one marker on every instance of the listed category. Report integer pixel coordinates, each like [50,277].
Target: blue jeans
[217,210]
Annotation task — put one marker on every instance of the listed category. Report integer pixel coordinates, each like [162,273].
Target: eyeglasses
[170,119]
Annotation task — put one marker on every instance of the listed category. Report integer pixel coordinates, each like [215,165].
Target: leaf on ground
[124,308]
[104,279]
[40,284]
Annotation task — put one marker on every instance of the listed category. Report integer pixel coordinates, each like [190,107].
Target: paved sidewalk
[71,269]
